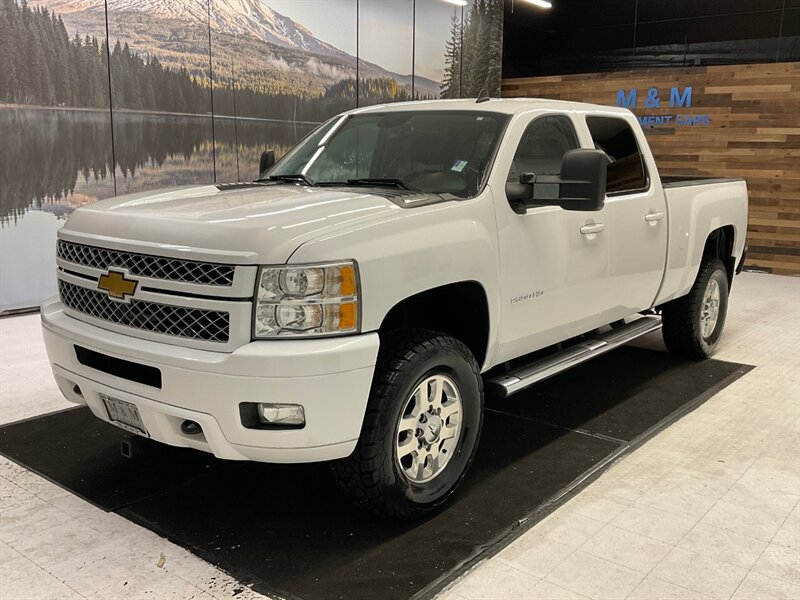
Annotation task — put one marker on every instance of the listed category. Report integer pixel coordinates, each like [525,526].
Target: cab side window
[542,149]
[626,169]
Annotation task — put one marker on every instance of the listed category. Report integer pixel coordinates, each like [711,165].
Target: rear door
[635,218]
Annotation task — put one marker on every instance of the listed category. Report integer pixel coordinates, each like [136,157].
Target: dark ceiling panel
[584,36]
[790,39]
[569,14]
[654,10]
[721,28]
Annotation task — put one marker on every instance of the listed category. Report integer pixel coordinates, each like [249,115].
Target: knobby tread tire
[363,477]
[681,317]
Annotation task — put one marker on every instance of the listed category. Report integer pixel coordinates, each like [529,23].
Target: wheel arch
[460,309]
[720,244]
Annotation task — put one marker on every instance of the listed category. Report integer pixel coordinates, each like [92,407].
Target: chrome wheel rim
[429,429]
[709,313]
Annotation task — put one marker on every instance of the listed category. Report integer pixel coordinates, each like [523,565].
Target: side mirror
[522,191]
[583,175]
[267,160]
[582,183]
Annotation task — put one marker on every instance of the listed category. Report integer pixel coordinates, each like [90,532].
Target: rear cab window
[627,172]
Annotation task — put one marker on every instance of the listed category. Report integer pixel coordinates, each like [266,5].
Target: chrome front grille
[179,321]
[145,265]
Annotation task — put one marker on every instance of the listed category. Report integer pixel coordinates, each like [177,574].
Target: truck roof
[499,105]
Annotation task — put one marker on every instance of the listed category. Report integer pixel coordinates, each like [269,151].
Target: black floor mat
[285,530]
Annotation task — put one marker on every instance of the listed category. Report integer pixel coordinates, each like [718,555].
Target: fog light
[281,414]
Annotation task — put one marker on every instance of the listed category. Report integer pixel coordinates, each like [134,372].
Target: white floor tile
[536,555]
[654,523]
[568,527]
[780,562]
[723,545]
[627,549]
[594,577]
[653,588]
[496,580]
[700,573]
[761,587]
[749,522]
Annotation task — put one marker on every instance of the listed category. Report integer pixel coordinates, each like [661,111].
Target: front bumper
[330,378]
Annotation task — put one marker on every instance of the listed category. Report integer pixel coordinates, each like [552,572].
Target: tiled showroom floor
[706,509]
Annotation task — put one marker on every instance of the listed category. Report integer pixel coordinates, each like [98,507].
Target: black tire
[372,476]
[683,318]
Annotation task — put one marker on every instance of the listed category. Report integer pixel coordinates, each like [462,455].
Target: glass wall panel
[160,93]
[385,51]
[278,72]
[437,50]
[56,137]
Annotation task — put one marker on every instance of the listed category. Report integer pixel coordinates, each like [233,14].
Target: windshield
[439,152]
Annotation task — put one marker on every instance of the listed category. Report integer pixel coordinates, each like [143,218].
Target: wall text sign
[653,99]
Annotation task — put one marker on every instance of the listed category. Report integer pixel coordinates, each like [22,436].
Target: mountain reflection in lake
[55,160]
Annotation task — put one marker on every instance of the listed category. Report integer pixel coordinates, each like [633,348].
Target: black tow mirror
[267,160]
[521,191]
[582,183]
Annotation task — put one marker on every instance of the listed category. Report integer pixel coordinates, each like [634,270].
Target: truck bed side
[696,207]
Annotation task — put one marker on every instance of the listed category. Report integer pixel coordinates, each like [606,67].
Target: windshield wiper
[399,183]
[298,177]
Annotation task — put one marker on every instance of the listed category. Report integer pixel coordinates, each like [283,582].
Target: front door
[554,264]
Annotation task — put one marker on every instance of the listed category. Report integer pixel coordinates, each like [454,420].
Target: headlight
[306,300]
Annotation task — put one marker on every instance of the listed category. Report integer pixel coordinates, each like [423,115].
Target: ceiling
[578,36]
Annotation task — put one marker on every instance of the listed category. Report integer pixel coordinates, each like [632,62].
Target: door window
[626,170]
[542,149]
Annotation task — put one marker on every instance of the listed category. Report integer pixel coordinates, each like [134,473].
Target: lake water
[54,161]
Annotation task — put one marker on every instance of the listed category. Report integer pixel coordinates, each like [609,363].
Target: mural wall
[105,97]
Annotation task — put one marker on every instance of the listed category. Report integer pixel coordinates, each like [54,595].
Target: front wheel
[421,428]
[692,325]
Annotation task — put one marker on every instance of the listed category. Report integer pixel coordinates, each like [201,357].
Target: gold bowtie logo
[116,285]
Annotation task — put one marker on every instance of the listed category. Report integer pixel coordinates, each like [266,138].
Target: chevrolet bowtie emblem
[117,285]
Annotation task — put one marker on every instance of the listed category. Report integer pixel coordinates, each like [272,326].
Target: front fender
[416,250]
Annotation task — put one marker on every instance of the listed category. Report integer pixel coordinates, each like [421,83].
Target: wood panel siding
[754,132]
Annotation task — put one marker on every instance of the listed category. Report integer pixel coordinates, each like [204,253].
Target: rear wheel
[692,325]
[421,428]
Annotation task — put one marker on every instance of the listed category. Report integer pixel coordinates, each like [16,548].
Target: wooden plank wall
[754,133]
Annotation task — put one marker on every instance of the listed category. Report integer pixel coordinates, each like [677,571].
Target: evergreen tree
[451,81]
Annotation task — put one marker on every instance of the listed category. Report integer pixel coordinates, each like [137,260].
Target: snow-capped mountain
[240,17]
[244,19]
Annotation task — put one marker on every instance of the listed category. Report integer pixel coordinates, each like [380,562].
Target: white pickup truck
[353,303]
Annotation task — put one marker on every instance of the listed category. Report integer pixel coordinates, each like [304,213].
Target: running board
[512,382]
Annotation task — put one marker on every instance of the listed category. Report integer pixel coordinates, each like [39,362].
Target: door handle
[592,228]
[653,217]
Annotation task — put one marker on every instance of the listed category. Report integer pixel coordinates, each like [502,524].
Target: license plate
[125,415]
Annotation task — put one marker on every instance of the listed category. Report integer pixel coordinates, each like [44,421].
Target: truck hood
[251,224]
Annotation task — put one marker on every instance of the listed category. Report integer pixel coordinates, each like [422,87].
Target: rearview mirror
[267,160]
[582,183]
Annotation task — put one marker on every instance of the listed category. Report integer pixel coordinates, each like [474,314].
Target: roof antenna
[482,98]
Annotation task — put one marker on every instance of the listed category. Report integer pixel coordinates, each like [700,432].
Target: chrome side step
[512,382]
